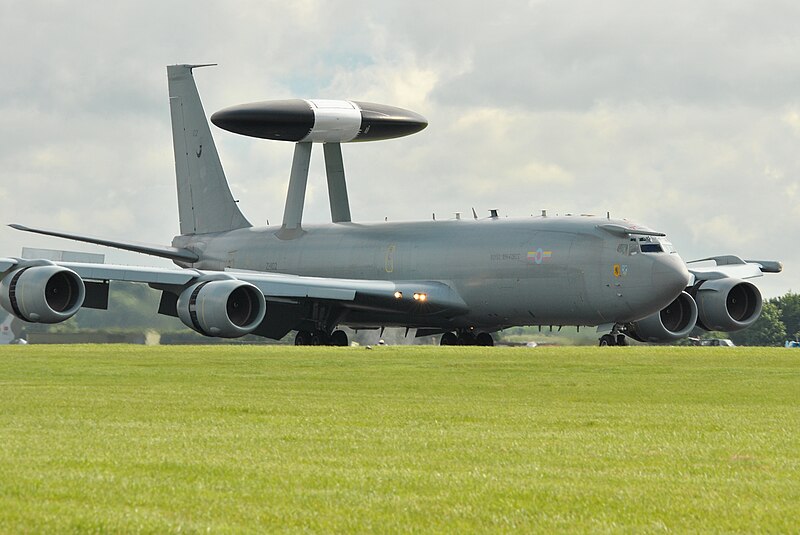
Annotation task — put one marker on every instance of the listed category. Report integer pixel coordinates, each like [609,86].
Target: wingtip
[768,266]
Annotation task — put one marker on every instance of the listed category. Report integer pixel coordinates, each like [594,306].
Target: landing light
[420,297]
[398,295]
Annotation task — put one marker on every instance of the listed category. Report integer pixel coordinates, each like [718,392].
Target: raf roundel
[319,121]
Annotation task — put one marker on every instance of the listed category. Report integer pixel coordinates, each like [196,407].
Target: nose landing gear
[614,338]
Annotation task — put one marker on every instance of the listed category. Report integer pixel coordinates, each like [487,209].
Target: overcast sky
[683,115]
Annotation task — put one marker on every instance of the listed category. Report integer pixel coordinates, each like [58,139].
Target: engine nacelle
[673,322]
[727,304]
[42,294]
[223,308]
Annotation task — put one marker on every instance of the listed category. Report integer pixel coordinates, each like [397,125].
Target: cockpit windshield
[651,248]
[650,245]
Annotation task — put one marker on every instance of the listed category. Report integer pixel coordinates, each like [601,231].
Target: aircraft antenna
[474,214]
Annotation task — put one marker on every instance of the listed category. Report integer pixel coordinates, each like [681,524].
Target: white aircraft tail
[205,203]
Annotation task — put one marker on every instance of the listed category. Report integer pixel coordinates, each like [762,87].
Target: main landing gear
[321,338]
[466,338]
[613,340]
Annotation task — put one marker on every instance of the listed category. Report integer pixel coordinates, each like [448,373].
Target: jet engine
[673,322]
[727,304]
[42,294]
[224,308]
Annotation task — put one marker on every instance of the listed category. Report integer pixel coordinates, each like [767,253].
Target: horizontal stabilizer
[173,253]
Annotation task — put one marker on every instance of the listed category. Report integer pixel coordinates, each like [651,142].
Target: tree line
[779,321]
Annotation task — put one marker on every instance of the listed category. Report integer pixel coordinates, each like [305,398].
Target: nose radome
[670,276]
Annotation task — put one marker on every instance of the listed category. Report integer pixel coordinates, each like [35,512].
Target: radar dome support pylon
[292,226]
[337,185]
[330,122]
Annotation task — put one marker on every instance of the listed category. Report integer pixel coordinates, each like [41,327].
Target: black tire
[622,340]
[448,339]
[607,340]
[484,339]
[319,338]
[339,338]
[466,339]
[303,338]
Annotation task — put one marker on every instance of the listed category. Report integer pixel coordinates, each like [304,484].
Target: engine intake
[42,294]
[727,304]
[223,308]
[673,322]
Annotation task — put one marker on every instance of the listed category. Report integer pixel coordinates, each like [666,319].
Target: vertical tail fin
[205,203]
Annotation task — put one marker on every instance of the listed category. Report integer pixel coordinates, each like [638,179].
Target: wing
[230,303]
[731,266]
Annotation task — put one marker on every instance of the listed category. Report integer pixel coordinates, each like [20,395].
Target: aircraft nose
[670,276]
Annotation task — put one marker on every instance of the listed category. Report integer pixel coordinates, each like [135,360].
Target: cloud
[557,55]
[727,232]
[681,116]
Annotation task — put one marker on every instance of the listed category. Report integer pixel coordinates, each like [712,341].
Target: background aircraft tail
[205,203]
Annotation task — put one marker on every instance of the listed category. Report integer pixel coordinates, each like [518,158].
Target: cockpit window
[650,244]
[667,246]
[651,248]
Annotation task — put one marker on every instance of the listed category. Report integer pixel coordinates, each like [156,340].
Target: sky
[683,116]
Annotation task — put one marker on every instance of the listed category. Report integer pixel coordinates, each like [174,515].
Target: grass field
[242,439]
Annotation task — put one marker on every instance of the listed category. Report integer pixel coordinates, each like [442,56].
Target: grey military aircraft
[464,279]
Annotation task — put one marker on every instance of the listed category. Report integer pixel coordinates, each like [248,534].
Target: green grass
[243,439]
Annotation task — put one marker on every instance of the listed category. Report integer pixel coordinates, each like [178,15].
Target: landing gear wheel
[607,340]
[339,338]
[484,339]
[466,339]
[622,340]
[319,338]
[448,339]
[303,338]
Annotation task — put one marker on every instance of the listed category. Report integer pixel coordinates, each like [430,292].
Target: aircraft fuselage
[533,271]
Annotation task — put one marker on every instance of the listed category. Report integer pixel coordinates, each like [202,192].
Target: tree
[790,312]
[768,330]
